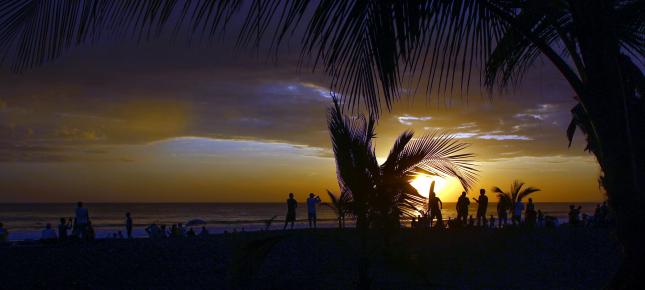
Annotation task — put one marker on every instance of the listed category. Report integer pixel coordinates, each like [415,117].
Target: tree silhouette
[515,194]
[381,194]
[341,206]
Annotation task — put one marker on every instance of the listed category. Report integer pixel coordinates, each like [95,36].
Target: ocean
[25,221]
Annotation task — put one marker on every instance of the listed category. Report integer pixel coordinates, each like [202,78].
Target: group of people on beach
[81,227]
[521,214]
[178,230]
[601,217]
[312,202]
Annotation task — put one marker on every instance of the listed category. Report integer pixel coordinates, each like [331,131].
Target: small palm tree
[341,206]
[268,222]
[515,194]
[381,194]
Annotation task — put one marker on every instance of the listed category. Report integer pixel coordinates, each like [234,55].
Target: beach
[471,258]
[25,221]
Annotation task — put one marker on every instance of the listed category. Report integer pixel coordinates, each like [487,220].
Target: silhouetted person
[48,235]
[604,212]
[163,232]
[4,234]
[530,215]
[128,225]
[81,220]
[190,233]
[435,205]
[471,221]
[413,223]
[462,208]
[63,227]
[182,229]
[540,218]
[292,204]
[482,205]
[312,202]
[502,214]
[174,231]
[530,206]
[204,232]
[423,221]
[596,214]
[574,215]
[518,208]
[154,232]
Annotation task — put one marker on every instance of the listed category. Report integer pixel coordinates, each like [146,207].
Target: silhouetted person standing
[81,220]
[518,207]
[482,205]
[574,215]
[462,208]
[502,213]
[530,216]
[4,234]
[540,218]
[63,227]
[48,235]
[312,202]
[292,204]
[128,225]
[435,205]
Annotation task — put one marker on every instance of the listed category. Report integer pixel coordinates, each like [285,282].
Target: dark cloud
[125,95]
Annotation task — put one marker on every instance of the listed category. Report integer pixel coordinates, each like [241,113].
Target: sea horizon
[25,221]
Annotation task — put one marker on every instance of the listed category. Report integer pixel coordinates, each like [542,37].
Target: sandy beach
[563,258]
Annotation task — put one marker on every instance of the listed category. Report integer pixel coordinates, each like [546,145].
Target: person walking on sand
[312,202]
[81,220]
[462,208]
[128,225]
[292,204]
[435,205]
[482,205]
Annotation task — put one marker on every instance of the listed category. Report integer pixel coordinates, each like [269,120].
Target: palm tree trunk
[625,197]
[617,115]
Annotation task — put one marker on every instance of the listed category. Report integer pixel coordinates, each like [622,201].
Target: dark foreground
[327,259]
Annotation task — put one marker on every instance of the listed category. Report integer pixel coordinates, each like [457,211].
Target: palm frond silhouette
[341,205]
[381,194]
[516,193]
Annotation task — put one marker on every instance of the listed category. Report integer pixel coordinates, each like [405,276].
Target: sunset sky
[154,122]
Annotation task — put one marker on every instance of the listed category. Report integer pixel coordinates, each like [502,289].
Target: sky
[156,122]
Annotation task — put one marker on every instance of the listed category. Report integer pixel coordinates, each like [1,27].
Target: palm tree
[381,194]
[368,46]
[515,194]
[341,205]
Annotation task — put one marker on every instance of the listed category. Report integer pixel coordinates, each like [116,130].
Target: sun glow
[422,184]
